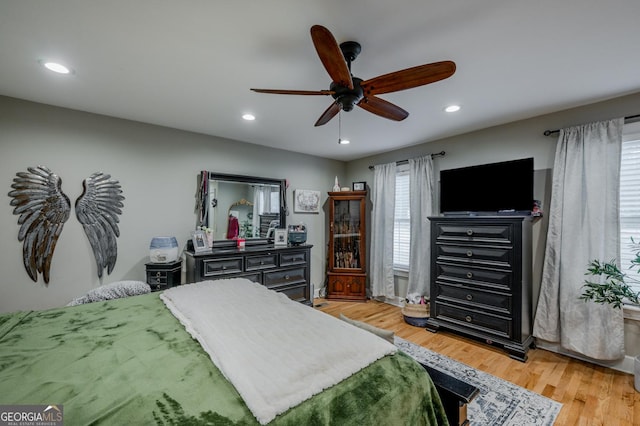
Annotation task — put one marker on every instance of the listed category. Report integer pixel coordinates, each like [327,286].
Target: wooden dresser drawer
[293,258]
[216,267]
[284,269]
[463,231]
[489,278]
[495,256]
[262,261]
[500,303]
[283,278]
[296,292]
[156,277]
[485,322]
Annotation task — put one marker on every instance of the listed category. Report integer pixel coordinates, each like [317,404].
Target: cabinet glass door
[346,234]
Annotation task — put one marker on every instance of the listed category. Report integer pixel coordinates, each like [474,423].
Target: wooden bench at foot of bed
[455,394]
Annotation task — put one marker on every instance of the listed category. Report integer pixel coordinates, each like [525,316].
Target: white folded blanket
[276,352]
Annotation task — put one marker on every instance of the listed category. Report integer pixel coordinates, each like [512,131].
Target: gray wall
[507,142]
[157,168]
[515,140]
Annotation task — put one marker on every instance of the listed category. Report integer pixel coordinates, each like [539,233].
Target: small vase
[336,186]
[209,238]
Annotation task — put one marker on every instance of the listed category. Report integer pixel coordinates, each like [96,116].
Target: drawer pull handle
[262,262]
[224,268]
[469,298]
[469,253]
[286,277]
[468,318]
[469,275]
[469,232]
[158,274]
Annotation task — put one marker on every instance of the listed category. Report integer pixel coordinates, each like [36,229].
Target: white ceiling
[189,64]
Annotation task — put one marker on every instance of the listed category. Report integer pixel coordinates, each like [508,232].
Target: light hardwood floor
[590,394]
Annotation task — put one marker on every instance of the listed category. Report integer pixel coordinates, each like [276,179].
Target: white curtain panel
[421,184]
[384,200]
[583,225]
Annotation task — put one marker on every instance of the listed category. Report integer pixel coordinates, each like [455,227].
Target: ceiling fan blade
[409,78]
[383,108]
[331,56]
[295,92]
[330,112]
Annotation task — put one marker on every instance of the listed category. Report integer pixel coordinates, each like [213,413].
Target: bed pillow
[114,290]
[380,332]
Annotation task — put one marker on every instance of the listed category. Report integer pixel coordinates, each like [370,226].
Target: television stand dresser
[284,269]
[481,279]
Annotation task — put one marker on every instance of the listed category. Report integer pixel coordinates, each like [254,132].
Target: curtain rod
[437,154]
[628,119]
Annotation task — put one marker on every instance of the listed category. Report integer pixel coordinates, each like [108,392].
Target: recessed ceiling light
[249,117]
[56,67]
[344,141]
[452,108]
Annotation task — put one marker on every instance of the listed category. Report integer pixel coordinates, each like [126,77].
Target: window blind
[401,223]
[630,201]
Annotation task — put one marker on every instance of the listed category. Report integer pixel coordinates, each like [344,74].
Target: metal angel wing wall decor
[43,210]
[97,209]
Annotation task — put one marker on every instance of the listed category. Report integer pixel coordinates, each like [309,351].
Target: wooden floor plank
[590,394]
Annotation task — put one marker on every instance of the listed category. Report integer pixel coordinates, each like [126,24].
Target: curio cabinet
[346,275]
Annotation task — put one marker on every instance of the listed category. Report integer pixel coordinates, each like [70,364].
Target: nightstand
[161,276]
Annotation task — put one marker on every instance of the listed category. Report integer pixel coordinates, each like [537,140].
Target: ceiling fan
[349,91]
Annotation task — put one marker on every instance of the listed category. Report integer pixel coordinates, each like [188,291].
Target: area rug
[499,402]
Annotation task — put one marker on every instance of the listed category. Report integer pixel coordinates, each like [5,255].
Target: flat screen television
[496,188]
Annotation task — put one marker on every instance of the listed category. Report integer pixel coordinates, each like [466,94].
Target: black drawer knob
[469,232]
[469,298]
[469,275]
[158,274]
[468,318]
[469,253]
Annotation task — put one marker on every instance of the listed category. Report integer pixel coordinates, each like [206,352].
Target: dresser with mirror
[248,208]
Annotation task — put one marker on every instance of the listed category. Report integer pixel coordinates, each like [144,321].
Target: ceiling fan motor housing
[347,98]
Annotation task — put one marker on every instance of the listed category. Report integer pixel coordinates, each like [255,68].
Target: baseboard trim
[395,301]
[625,365]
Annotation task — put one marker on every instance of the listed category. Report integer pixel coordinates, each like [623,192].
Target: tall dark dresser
[481,279]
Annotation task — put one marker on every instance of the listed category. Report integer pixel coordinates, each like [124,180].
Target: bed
[132,361]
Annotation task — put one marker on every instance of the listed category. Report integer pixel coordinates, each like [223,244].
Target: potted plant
[614,289]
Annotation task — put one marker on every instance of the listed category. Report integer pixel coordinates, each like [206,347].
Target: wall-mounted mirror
[237,206]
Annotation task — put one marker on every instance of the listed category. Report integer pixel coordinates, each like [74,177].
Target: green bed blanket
[129,361]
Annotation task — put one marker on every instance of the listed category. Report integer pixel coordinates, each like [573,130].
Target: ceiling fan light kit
[349,91]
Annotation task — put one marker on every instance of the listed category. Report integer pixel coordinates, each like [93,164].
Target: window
[630,198]
[401,223]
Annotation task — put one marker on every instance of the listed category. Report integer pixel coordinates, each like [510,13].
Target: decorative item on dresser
[346,275]
[285,269]
[481,279]
[161,276]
